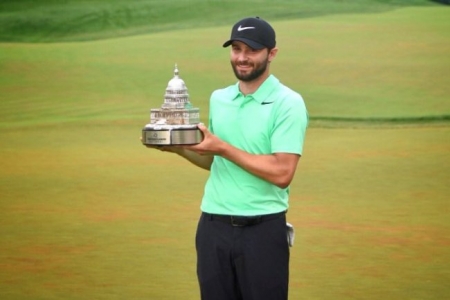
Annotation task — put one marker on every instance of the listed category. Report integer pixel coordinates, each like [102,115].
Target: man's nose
[243,56]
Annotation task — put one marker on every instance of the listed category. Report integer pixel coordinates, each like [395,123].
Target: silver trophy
[175,123]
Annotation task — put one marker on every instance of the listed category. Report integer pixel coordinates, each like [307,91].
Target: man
[252,147]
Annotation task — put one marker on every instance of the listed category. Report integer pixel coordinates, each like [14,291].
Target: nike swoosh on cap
[240,28]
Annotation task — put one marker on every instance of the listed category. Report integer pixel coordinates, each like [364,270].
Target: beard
[258,70]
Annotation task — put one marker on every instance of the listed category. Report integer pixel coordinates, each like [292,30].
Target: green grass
[390,66]
[72,20]
[373,223]
[87,212]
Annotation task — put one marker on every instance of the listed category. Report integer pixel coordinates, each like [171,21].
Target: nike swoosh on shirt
[244,28]
[263,103]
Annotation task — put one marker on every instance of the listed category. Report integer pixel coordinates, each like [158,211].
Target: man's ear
[272,53]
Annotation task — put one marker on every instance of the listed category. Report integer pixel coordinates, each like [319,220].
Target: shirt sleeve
[289,130]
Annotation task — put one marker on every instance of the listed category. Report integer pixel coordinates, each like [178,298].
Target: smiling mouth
[244,66]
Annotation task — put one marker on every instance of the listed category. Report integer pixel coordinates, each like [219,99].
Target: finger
[203,128]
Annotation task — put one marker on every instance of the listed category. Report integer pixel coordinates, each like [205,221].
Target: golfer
[251,146]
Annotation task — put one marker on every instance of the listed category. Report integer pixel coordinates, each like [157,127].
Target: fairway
[87,212]
[93,219]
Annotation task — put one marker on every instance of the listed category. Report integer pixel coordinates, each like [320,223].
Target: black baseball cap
[255,32]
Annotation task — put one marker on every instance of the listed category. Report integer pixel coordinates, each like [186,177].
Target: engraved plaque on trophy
[175,123]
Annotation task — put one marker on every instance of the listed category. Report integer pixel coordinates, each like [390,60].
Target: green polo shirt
[271,120]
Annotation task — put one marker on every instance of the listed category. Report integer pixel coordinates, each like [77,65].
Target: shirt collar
[261,93]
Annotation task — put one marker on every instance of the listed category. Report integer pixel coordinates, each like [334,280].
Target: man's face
[248,64]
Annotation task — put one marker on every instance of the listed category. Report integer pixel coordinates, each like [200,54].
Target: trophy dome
[176,83]
[176,95]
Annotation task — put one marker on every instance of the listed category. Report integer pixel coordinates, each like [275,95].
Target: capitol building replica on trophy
[175,123]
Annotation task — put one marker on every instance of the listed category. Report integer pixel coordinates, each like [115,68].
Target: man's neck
[249,87]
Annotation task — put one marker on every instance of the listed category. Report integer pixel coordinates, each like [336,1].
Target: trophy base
[171,135]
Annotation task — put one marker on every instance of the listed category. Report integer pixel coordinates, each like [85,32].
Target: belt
[241,221]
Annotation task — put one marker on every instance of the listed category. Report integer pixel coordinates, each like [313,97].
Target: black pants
[242,262]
